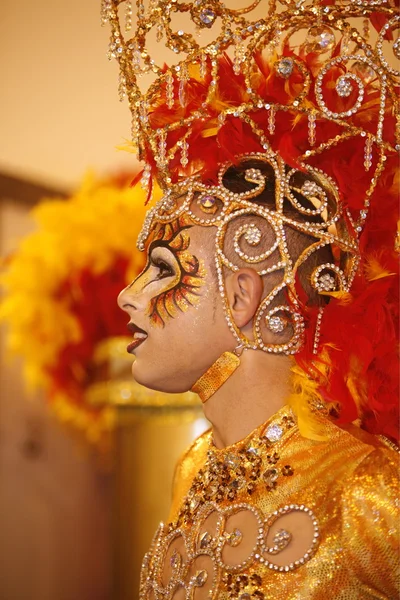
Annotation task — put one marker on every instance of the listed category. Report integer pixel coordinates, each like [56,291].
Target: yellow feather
[374,270]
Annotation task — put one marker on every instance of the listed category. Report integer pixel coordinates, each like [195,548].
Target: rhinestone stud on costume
[274,433]
[310,188]
[205,540]
[175,560]
[231,461]
[270,476]
[326,283]
[276,324]
[207,17]
[343,86]
[252,235]
[281,540]
[234,538]
[200,578]
[285,67]
[207,203]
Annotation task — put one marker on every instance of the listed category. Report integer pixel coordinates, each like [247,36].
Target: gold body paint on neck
[216,375]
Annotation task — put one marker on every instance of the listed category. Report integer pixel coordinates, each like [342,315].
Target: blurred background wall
[59,115]
[55,499]
[72,527]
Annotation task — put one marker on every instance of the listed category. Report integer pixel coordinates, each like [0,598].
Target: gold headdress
[307,90]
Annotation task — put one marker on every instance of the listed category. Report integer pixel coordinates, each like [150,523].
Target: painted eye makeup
[164,269]
[164,262]
[170,259]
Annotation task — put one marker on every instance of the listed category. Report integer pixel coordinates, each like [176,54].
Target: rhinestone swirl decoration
[328,63]
[248,224]
[203,546]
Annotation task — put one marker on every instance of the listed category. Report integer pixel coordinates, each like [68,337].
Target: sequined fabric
[280,516]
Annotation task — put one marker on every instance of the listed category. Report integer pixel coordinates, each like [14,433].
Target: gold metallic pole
[153,430]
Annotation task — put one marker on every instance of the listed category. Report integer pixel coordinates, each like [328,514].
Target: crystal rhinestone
[194,503]
[200,578]
[252,450]
[175,560]
[270,476]
[235,538]
[282,538]
[274,433]
[343,87]
[207,17]
[326,283]
[320,39]
[310,188]
[207,201]
[231,461]
[285,67]
[205,540]
[276,324]
[253,235]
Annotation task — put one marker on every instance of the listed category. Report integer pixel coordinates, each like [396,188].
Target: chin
[171,384]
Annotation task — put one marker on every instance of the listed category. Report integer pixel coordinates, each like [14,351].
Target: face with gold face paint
[176,314]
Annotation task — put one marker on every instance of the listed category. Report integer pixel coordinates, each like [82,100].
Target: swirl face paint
[175,274]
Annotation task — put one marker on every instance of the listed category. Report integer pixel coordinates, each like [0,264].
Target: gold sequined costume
[280,516]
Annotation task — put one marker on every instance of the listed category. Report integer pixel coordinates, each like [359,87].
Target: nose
[126,299]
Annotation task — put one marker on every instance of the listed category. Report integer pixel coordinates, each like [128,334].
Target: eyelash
[164,269]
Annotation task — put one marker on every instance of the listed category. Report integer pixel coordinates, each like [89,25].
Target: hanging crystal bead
[170,90]
[121,87]
[128,15]
[271,120]
[368,153]
[146,176]
[221,118]
[162,148]
[140,10]
[111,49]
[183,78]
[320,39]
[238,57]
[136,64]
[105,12]
[134,127]
[159,31]
[276,37]
[144,116]
[184,153]
[311,129]
[366,29]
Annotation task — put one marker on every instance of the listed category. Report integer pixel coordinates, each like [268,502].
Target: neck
[256,390]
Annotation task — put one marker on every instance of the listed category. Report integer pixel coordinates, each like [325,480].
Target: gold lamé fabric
[280,516]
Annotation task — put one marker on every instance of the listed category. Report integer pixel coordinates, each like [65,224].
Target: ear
[244,290]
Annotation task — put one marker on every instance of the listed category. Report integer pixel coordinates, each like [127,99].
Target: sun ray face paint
[176,275]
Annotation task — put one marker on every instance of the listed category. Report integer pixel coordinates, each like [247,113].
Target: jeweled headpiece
[309,90]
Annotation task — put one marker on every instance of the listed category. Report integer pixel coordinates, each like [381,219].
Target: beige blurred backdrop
[70,529]
[59,107]
[59,116]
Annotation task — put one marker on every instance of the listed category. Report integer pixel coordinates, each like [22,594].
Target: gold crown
[305,42]
[301,87]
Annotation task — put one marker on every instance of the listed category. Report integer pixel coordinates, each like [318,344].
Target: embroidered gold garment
[280,516]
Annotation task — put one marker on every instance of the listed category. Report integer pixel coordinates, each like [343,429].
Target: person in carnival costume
[270,289]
